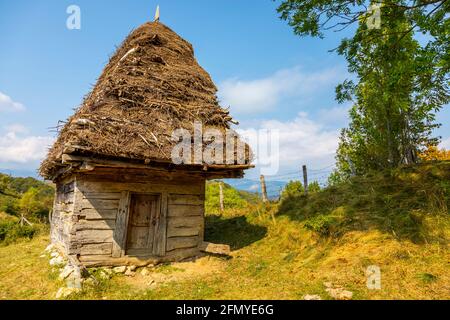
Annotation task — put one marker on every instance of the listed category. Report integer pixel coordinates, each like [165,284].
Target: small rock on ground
[67,271]
[312,297]
[130,273]
[74,282]
[57,261]
[337,292]
[120,269]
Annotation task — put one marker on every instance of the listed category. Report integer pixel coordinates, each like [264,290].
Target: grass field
[272,259]
[288,250]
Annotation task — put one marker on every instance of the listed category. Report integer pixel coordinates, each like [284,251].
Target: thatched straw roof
[151,86]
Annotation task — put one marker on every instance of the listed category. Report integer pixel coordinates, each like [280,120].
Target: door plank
[120,233]
[143,219]
[159,248]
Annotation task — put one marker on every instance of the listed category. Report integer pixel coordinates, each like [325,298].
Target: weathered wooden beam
[180,210]
[182,243]
[186,199]
[157,163]
[175,255]
[96,249]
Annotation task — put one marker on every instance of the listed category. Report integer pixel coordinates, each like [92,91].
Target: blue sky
[270,77]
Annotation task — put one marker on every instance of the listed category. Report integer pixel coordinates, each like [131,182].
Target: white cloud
[260,95]
[445,143]
[16,128]
[8,104]
[337,116]
[17,147]
[301,141]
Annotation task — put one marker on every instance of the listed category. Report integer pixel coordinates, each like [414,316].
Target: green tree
[232,198]
[315,17]
[313,187]
[28,205]
[292,189]
[395,99]
[5,189]
[401,84]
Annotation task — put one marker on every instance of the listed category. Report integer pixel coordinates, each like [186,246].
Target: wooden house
[120,199]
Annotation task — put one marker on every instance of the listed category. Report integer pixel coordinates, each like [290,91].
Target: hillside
[17,186]
[23,197]
[233,198]
[409,203]
[397,221]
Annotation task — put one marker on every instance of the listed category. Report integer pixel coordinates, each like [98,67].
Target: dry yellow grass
[23,274]
[399,223]
[287,263]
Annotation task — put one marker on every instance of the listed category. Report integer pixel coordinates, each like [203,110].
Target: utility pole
[305,179]
[221,195]
[263,189]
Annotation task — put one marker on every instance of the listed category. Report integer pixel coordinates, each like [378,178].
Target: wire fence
[276,183]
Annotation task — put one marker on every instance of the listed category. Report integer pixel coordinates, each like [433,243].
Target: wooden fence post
[221,195]
[263,189]
[305,180]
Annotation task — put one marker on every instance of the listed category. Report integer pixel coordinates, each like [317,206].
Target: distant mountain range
[23,173]
[273,187]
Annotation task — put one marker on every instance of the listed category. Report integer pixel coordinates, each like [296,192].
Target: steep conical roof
[151,86]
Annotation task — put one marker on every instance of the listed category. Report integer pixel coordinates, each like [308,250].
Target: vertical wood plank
[159,247]
[120,233]
[201,234]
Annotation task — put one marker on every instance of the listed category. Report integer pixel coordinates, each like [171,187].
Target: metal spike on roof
[157,14]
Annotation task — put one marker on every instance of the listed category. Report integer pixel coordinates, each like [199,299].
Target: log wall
[91,205]
[62,223]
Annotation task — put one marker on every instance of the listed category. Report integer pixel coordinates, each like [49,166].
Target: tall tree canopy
[401,83]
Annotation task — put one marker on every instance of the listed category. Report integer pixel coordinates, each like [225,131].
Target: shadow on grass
[236,232]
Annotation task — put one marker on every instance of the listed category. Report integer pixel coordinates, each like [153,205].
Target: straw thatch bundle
[151,86]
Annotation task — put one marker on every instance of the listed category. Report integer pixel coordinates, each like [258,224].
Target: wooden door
[143,217]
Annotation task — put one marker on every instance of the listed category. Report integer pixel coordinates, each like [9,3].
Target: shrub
[232,198]
[11,231]
[292,189]
[25,196]
[9,205]
[313,187]
[321,224]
